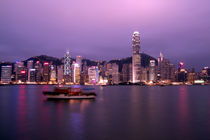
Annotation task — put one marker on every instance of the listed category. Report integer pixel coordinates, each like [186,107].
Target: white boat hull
[70,97]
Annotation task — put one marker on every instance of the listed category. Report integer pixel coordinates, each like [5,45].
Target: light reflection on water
[118,112]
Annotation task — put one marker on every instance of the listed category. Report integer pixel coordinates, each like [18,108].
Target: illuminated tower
[6,72]
[93,74]
[60,74]
[46,72]
[136,59]
[152,75]
[79,61]
[67,62]
[38,71]
[67,67]
[76,73]
[29,66]
[52,73]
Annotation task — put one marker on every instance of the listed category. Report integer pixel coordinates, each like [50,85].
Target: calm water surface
[118,113]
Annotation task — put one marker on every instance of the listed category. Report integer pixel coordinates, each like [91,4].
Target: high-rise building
[205,74]
[79,62]
[60,74]
[127,73]
[191,77]
[152,71]
[93,74]
[165,70]
[6,72]
[18,64]
[52,73]
[67,67]
[32,73]
[172,71]
[108,72]
[182,73]
[115,73]
[18,67]
[145,74]
[46,72]
[76,73]
[136,58]
[38,71]
[21,72]
[29,66]
[85,73]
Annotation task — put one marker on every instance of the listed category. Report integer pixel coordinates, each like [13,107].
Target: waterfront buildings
[93,74]
[121,71]
[136,58]
[6,72]
[165,70]
[191,77]
[205,74]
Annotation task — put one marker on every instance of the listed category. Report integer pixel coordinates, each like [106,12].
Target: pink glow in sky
[97,29]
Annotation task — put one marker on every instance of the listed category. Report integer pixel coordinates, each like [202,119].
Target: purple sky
[102,29]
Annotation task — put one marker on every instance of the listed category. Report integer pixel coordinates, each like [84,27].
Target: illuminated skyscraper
[32,73]
[93,74]
[136,59]
[18,67]
[52,73]
[152,73]
[21,72]
[29,66]
[38,71]
[127,73]
[76,73]
[60,74]
[46,72]
[67,67]
[79,62]
[115,73]
[165,69]
[182,73]
[6,72]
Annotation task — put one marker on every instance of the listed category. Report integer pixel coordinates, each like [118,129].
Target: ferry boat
[69,93]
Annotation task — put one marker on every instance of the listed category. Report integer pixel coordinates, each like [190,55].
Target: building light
[46,63]
[199,81]
[181,64]
[23,72]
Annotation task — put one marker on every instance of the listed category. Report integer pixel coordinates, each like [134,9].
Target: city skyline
[94,32]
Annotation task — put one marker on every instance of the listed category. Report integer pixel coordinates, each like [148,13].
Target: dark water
[118,113]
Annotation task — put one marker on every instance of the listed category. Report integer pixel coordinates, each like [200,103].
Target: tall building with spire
[136,58]
[67,67]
